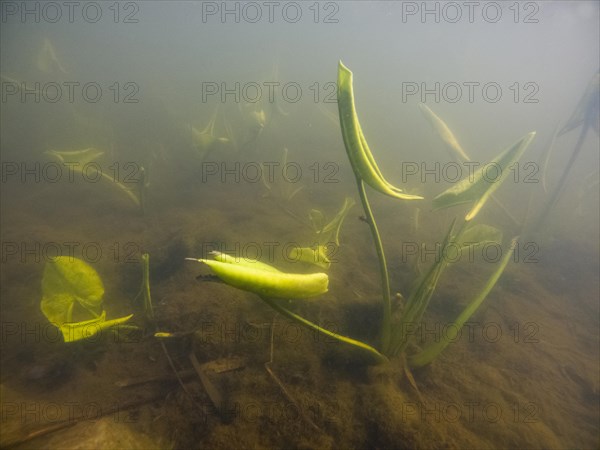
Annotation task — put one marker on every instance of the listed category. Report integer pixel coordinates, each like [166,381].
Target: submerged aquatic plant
[456,150]
[586,115]
[273,285]
[266,280]
[429,353]
[478,189]
[363,163]
[327,237]
[444,132]
[254,120]
[330,232]
[47,62]
[69,283]
[280,193]
[257,115]
[206,140]
[80,160]
[145,288]
[395,333]
[316,255]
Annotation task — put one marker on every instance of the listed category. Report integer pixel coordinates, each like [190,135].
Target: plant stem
[433,350]
[385,280]
[145,287]
[418,300]
[541,221]
[308,324]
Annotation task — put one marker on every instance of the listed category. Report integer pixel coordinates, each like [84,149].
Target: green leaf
[432,351]
[588,104]
[358,151]
[331,231]
[205,141]
[317,220]
[77,157]
[478,188]
[268,283]
[376,357]
[67,281]
[76,331]
[419,298]
[316,256]
[444,132]
[479,234]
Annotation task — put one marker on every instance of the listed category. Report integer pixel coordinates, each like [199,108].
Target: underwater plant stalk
[272,286]
[145,288]
[143,185]
[432,351]
[308,324]
[585,115]
[561,183]
[366,171]
[385,279]
[418,300]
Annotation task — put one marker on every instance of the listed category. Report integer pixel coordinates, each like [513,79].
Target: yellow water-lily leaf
[67,281]
[76,331]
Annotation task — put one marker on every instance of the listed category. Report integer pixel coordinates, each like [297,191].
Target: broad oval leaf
[67,280]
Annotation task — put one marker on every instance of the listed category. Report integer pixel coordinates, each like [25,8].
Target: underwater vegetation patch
[272,285]
[73,288]
[69,283]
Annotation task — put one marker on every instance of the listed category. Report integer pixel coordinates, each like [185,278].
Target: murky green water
[182,129]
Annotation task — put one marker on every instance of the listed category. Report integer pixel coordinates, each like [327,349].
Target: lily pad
[67,281]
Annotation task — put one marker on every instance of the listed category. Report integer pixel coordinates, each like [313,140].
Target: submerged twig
[211,390]
[132,382]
